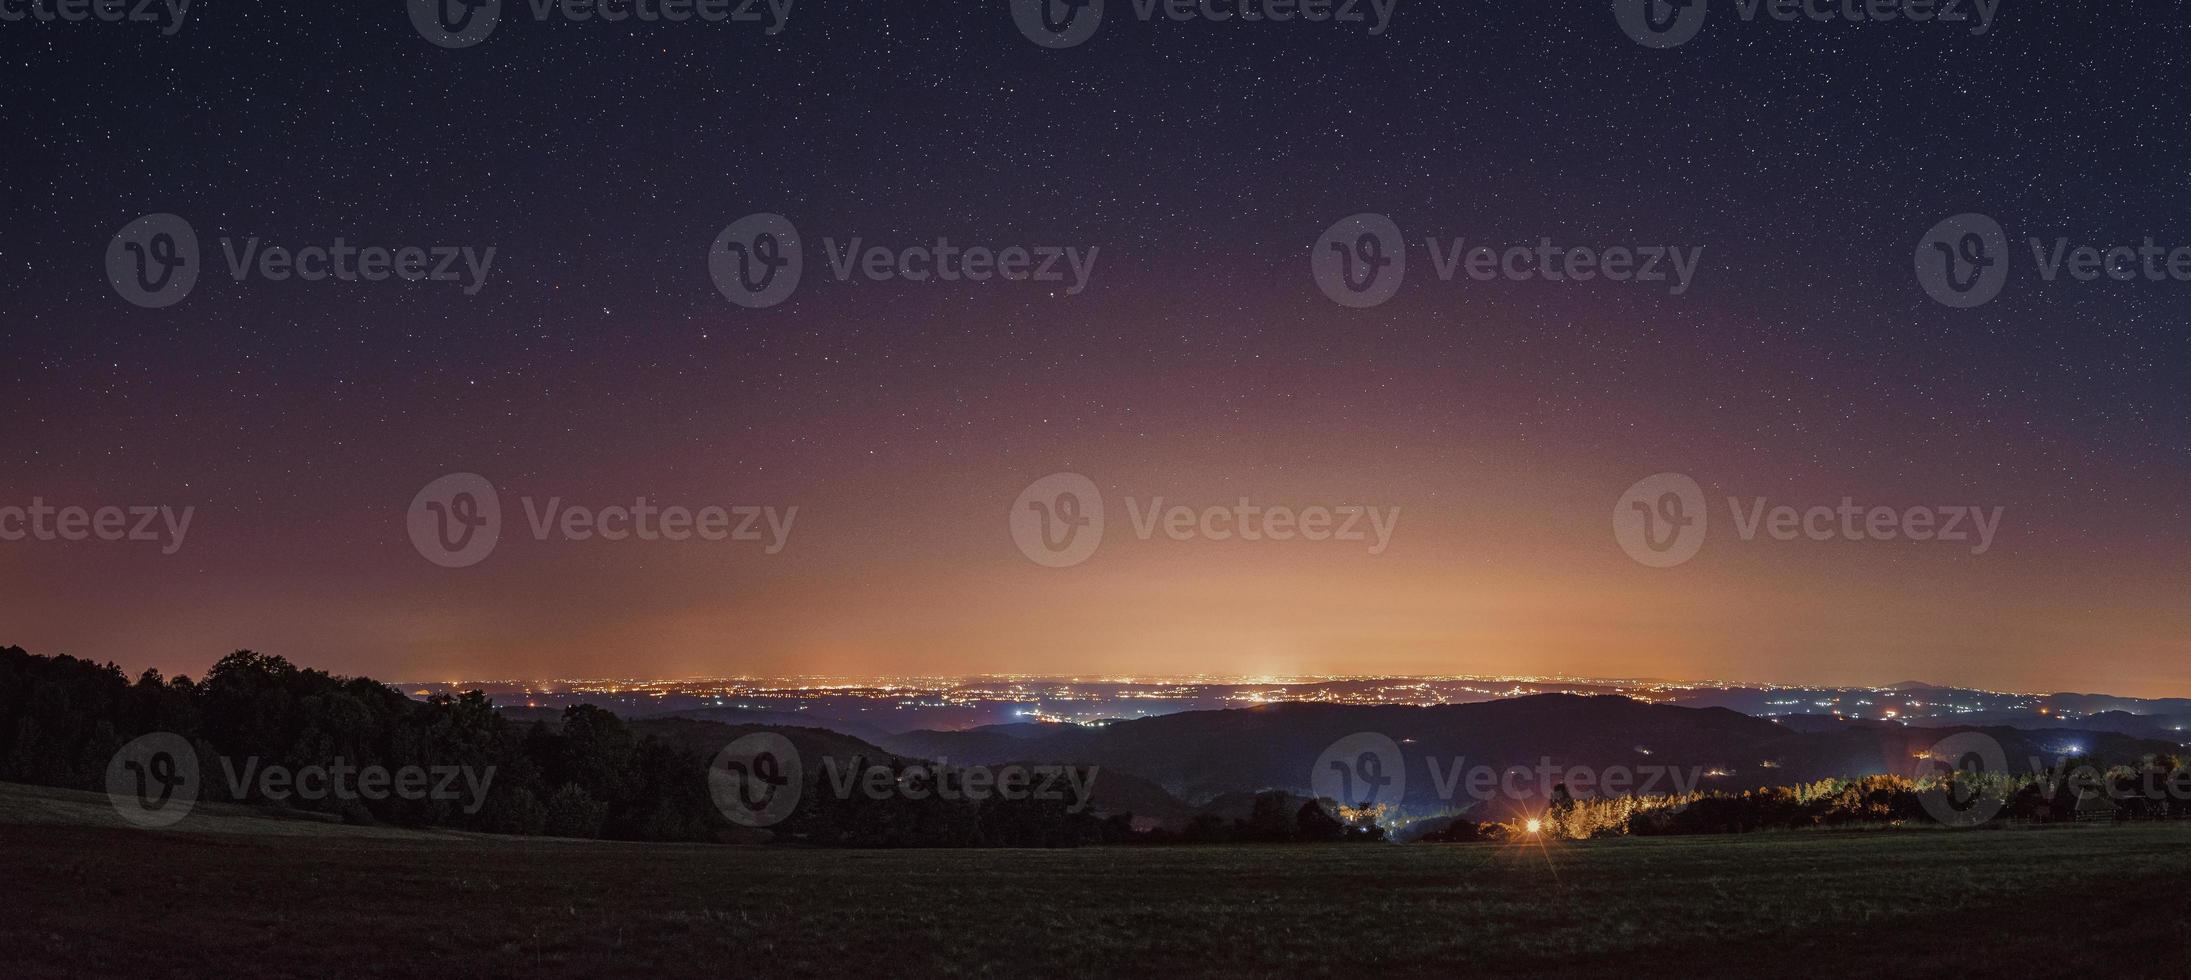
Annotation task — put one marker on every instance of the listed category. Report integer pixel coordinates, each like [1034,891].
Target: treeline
[2076,790]
[62,720]
[1273,817]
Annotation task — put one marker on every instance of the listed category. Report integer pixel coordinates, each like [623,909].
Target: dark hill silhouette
[749,716]
[1199,756]
[1114,792]
[2165,727]
[705,738]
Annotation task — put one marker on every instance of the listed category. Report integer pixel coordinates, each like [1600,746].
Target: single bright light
[1536,826]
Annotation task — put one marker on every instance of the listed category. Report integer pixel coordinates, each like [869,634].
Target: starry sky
[1201,365]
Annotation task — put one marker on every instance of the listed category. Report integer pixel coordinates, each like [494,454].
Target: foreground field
[82,900]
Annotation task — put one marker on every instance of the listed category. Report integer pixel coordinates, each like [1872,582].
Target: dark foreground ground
[276,899]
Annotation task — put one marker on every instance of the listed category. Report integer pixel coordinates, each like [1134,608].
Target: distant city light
[960,702]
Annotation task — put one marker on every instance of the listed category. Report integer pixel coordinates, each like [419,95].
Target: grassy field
[314,900]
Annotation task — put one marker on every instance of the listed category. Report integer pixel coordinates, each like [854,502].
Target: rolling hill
[1198,756]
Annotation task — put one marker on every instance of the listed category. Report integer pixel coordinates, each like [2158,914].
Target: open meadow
[321,900]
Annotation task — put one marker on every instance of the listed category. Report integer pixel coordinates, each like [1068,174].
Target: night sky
[599,363]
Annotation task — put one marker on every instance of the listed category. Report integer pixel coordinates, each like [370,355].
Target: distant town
[905,704]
